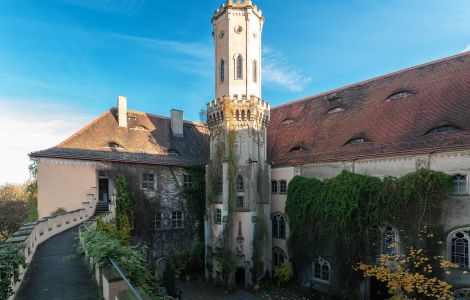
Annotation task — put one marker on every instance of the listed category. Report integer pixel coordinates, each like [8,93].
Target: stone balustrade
[31,235]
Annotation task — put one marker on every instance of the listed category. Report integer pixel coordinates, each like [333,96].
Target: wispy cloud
[278,72]
[27,130]
[129,7]
[467,49]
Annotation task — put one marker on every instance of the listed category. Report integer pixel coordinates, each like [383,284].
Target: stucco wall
[64,183]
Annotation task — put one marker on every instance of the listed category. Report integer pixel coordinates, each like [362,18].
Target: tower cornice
[237,4]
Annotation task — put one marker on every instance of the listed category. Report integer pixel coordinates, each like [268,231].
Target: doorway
[240,278]
[378,290]
[103,189]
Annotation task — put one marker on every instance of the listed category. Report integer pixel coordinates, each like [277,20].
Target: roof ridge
[373,79]
[164,117]
[84,128]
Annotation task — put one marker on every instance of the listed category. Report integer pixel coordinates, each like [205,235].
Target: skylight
[400,95]
[444,129]
[115,146]
[355,141]
[297,148]
[287,121]
[335,110]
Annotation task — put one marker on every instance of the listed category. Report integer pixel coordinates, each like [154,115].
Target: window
[287,122]
[220,186]
[222,71]
[459,250]
[356,141]
[444,129]
[177,219]
[173,152]
[240,202]
[390,241]
[239,69]
[115,146]
[375,242]
[240,184]
[279,257]
[187,181]
[157,221]
[274,187]
[297,148]
[283,187]
[255,71]
[218,216]
[460,186]
[399,95]
[335,110]
[148,181]
[321,270]
[248,115]
[279,226]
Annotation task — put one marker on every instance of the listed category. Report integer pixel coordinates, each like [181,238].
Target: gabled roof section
[147,139]
[437,94]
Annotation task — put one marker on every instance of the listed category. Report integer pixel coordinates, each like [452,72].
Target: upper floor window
[239,67]
[460,186]
[255,71]
[383,240]
[321,270]
[148,181]
[283,187]
[274,187]
[240,184]
[187,181]
[279,257]
[218,216]
[458,247]
[177,219]
[240,202]
[279,226]
[222,71]
[219,186]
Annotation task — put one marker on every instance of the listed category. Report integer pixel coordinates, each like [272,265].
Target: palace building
[386,126]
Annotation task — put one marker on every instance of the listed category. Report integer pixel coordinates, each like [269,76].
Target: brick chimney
[177,122]
[122,111]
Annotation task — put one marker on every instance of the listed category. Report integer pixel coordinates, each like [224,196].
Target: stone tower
[238,227]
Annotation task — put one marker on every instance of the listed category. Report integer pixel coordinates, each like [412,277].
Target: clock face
[221,34]
[238,29]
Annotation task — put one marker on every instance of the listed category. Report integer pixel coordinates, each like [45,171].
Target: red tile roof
[147,139]
[436,94]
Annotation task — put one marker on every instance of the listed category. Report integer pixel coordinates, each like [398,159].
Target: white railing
[31,235]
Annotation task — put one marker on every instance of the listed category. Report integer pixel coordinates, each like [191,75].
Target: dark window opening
[444,129]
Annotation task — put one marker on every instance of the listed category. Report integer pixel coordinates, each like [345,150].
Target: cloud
[467,49]
[278,72]
[32,129]
[128,7]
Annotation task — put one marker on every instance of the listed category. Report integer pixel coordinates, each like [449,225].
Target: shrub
[11,258]
[283,274]
[58,212]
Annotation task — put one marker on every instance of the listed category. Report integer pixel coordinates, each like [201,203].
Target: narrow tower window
[239,69]
[255,71]
[222,71]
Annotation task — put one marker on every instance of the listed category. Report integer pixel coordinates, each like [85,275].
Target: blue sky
[64,62]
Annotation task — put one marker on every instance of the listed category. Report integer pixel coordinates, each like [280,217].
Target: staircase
[101,208]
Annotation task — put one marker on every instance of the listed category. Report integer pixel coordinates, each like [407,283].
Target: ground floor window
[177,219]
[321,270]
[459,247]
[279,257]
[157,221]
[218,216]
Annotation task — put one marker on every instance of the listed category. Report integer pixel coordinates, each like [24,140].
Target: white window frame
[322,263]
[281,182]
[462,183]
[277,217]
[145,182]
[218,216]
[466,235]
[177,219]
[158,214]
[187,181]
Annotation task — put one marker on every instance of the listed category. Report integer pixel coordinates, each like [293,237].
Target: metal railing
[131,287]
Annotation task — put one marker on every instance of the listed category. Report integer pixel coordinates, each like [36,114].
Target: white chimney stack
[122,111]
[177,122]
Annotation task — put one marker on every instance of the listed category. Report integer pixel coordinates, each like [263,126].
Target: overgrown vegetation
[333,218]
[11,258]
[58,212]
[125,207]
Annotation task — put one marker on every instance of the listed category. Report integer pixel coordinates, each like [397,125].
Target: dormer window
[400,95]
[335,110]
[287,122]
[140,128]
[173,152]
[115,146]
[297,148]
[355,141]
[444,129]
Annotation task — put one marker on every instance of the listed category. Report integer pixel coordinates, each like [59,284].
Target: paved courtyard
[200,290]
[58,272]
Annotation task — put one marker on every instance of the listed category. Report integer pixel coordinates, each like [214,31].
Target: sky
[64,62]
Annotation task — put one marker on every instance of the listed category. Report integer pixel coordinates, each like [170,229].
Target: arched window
[240,184]
[460,186]
[279,257]
[375,242]
[239,68]
[321,270]
[222,70]
[243,115]
[279,226]
[390,241]
[248,115]
[459,250]
[238,115]
[255,71]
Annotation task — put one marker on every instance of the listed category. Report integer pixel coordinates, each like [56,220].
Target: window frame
[276,254]
[240,184]
[187,181]
[451,238]
[218,216]
[279,226]
[274,189]
[460,181]
[322,265]
[158,215]
[222,71]
[145,183]
[239,67]
[177,217]
[283,186]
[242,202]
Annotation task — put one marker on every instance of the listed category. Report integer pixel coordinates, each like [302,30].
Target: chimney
[122,111]
[177,122]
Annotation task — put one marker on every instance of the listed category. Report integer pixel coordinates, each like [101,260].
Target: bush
[11,257]
[283,274]
[58,212]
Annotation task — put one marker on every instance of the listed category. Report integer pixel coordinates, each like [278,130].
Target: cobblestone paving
[200,290]
[58,272]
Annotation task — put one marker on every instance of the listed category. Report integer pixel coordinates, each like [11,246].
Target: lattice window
[460,186]
[274,187]
[279,226]
[187,181]
[218,216]
[459,252]
[283,187]
[321,270]
[177,219]
[279,257]
[240,184]
[148,181]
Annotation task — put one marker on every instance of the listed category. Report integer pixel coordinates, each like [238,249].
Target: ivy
[11,258]
[125,206]
[333,218]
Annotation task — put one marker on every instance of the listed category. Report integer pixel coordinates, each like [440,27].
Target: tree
[13,208]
